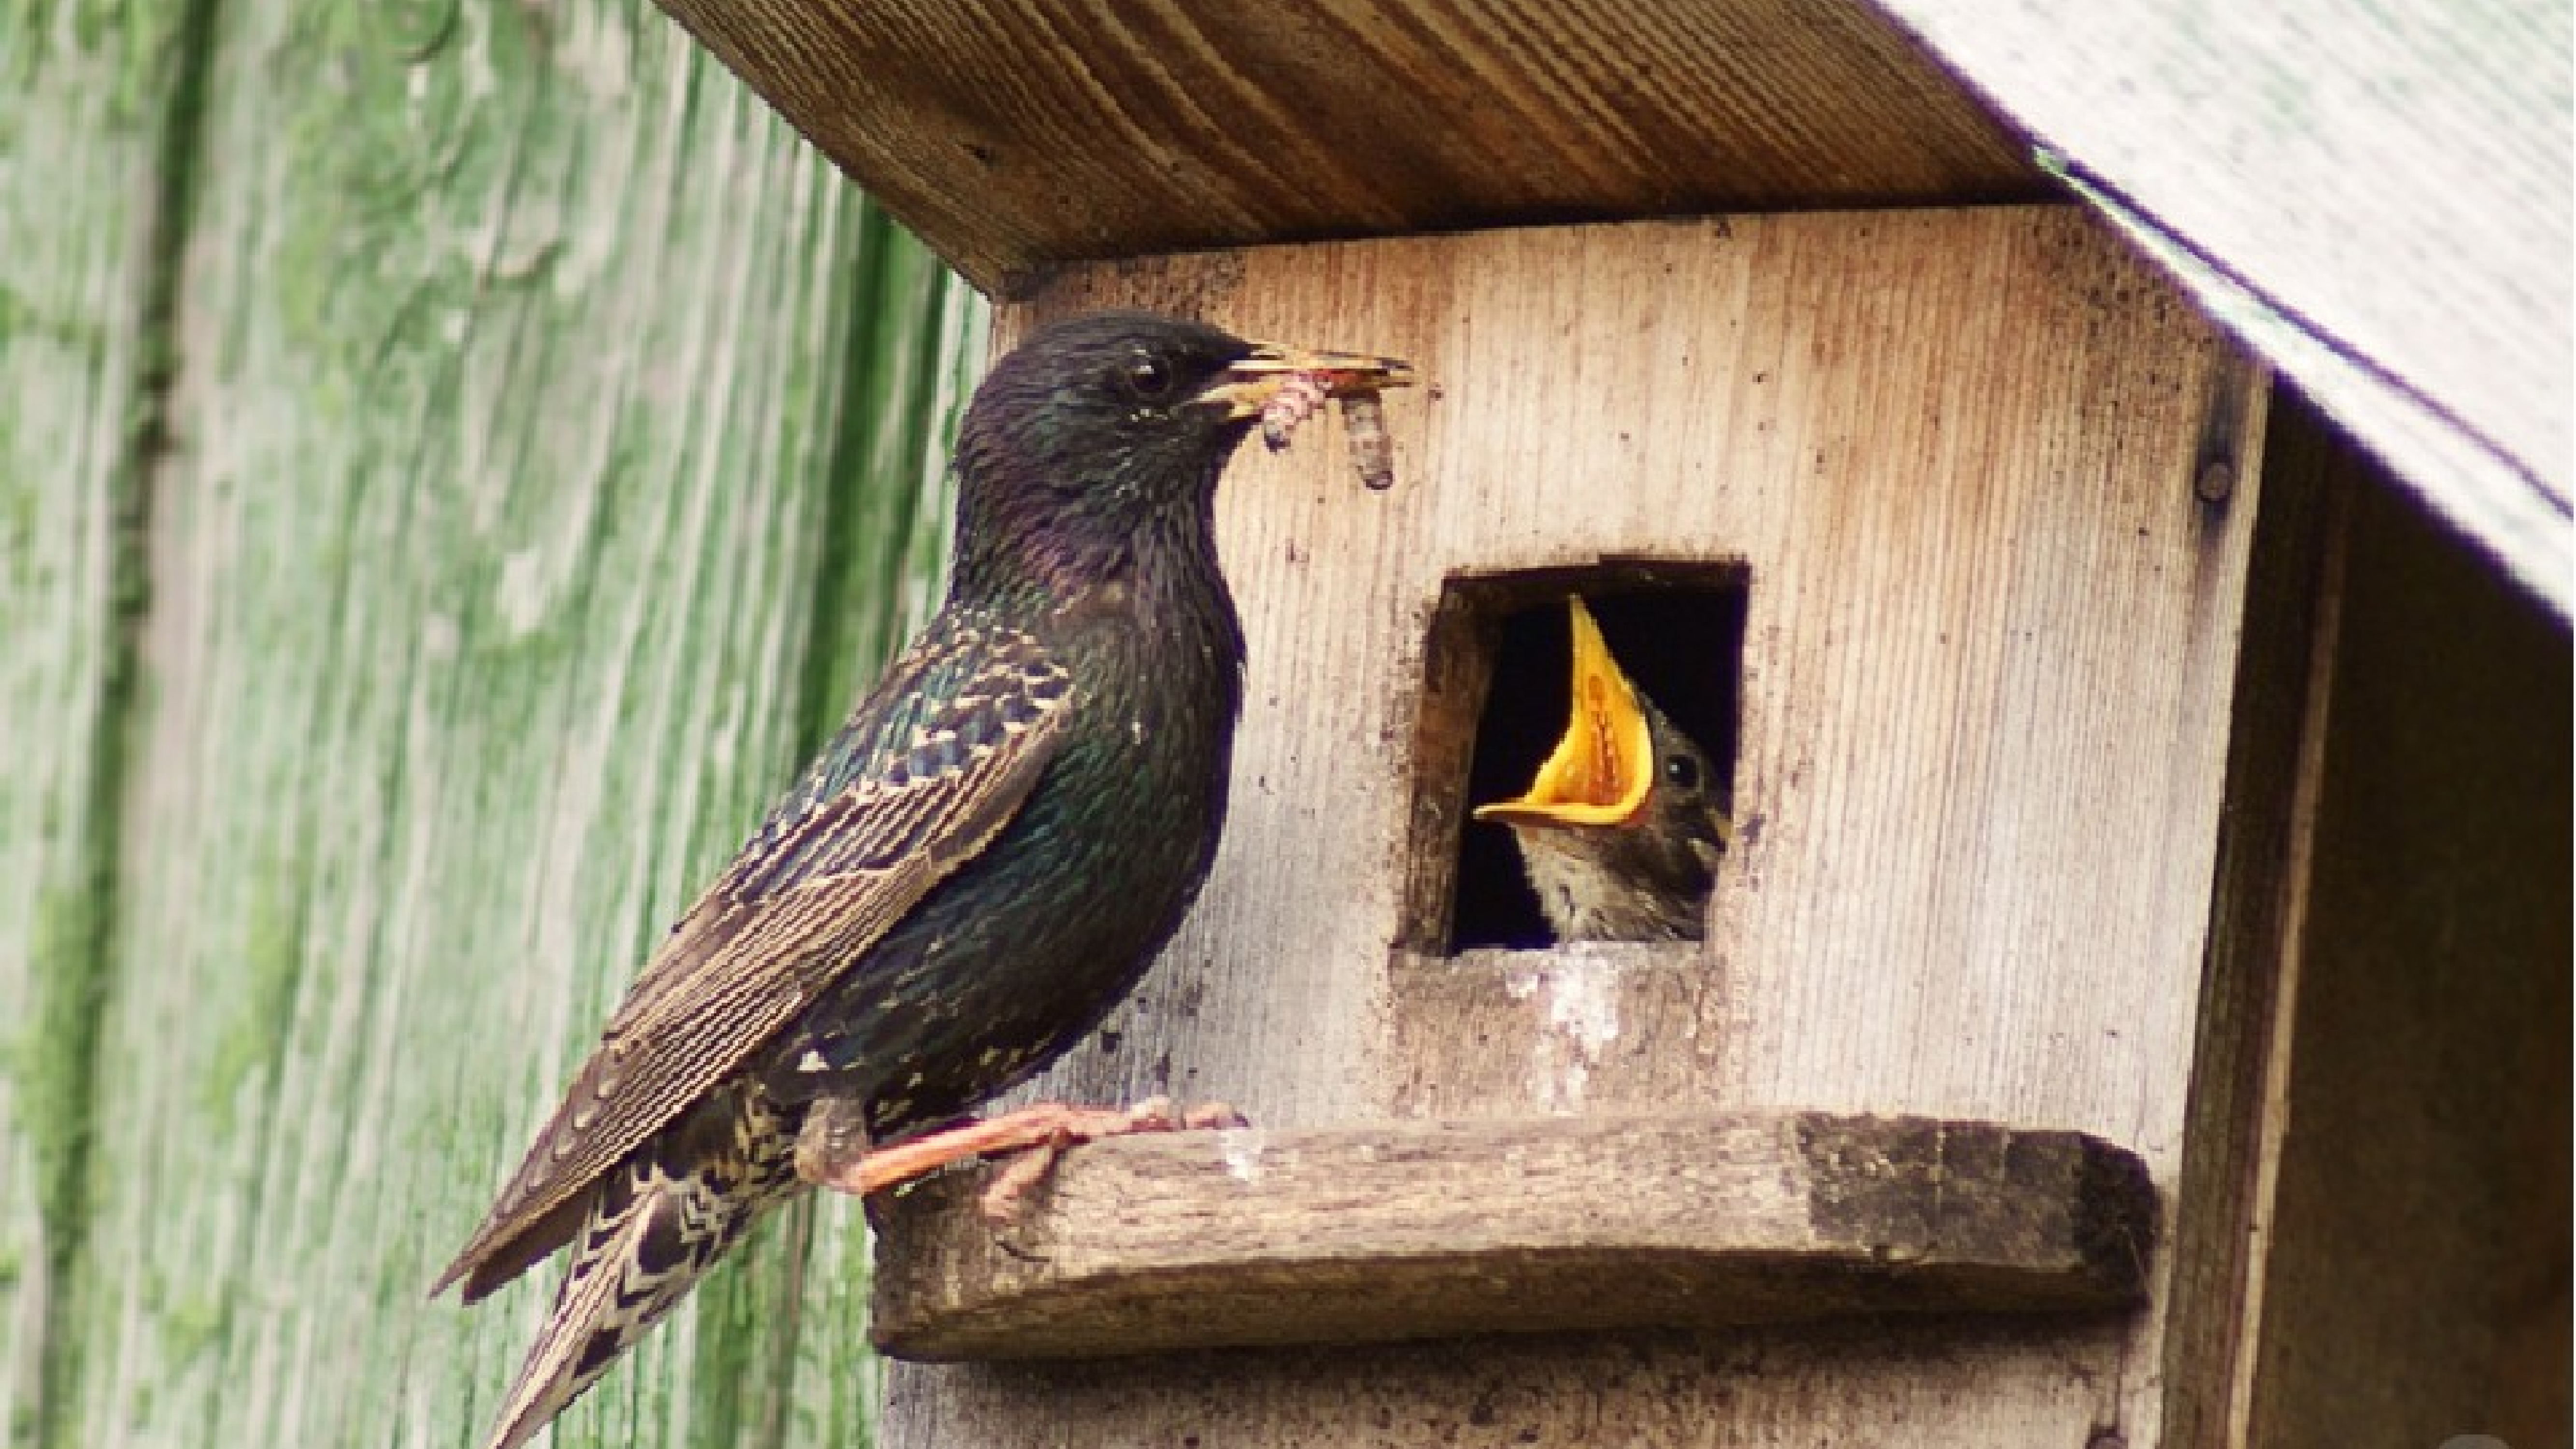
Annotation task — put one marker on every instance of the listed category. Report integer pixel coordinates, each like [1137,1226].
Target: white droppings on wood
[1578,990]
[1241,1148]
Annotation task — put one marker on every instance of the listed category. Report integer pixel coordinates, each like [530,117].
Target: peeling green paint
[251,1025]
[555,456]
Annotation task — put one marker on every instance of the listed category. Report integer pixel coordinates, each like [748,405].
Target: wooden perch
[1428,1229]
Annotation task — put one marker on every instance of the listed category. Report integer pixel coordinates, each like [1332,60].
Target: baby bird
[1621,831]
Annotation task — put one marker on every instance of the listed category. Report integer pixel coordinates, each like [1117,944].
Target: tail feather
[657,1224]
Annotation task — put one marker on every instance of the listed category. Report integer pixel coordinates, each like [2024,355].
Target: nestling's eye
[1683,771]
[1146,379]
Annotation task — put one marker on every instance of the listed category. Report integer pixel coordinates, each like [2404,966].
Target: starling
[974,871]
[1621,831]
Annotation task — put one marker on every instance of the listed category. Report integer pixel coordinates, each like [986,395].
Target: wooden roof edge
[1013,138]
[2375,200]
[2472,481]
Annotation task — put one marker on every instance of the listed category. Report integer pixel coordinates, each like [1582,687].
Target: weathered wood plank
[1992,637]
[2258,910]
[1018,135]
[2287,160]
[2414,1265]
[83,245]
[2282,160]
[1423,1230]
[509,527]
[1595,1026]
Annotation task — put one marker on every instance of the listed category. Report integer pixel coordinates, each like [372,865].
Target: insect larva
[1299,394]
[1364,418]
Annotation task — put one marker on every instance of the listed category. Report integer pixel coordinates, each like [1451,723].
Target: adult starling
[980,864]
[1621,831]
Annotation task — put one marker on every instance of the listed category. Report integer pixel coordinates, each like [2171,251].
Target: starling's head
[1105,433]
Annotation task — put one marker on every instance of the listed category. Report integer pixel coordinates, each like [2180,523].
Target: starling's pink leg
[1041,1131]
[1015,1179]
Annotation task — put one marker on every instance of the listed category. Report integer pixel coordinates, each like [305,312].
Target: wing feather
[932,766]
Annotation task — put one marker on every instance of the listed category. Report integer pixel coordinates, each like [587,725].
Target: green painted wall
[454,459]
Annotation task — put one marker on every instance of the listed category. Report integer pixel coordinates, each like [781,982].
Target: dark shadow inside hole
[1683,646]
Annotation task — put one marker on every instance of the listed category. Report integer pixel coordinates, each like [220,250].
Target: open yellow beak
[1248,386]
[1604,765]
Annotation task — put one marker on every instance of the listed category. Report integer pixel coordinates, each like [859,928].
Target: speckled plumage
[981,863]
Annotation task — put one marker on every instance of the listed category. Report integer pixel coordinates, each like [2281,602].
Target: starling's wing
[931,766]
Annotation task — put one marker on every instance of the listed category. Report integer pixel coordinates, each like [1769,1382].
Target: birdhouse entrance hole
[1496,700]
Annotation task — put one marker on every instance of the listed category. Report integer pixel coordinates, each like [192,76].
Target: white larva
[1372,452]
[1299,394]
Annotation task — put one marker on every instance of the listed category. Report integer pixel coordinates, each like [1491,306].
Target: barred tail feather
[651,1234]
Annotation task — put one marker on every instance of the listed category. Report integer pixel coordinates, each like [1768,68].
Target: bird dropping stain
[1241,1148]
[1577,1004]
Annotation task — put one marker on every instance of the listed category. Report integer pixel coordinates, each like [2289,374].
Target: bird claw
[1005,1197]
[1013,1182]
[1032,1136]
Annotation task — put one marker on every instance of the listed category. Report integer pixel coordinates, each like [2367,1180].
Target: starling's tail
[659,1222]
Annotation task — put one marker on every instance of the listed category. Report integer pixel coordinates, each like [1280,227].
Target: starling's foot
[1041,1132]
[1014,1180]
[1017,1178]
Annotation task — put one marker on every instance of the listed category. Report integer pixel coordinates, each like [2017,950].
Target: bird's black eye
[1683,771]
[1146,379]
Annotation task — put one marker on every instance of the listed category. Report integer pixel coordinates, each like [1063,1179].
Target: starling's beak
[1604,766]
[1247,387]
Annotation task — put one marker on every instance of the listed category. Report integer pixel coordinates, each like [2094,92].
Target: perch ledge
[1430,1229]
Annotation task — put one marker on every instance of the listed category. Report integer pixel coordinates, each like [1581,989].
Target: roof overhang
[2374,198]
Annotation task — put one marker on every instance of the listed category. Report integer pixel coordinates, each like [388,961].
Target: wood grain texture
[2286,161]
[1010,137]
[2259,913]
[2374,196]
[1988,667]
[83,244]
[1425,1230]
[2416,1273]
[512,531]
[1594,1026]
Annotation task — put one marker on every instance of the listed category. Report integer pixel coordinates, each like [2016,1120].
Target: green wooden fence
[454,459]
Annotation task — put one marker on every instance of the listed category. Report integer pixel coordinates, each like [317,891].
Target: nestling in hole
[1602,772]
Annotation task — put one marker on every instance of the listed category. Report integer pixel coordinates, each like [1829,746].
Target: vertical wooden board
[80,134]
[1987,674]
[2216,1219]
[2415,1268]
[513,515]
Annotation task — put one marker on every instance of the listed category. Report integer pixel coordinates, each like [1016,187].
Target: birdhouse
[2083,989]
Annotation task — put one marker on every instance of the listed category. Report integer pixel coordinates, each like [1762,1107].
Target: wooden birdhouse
[2077,1009]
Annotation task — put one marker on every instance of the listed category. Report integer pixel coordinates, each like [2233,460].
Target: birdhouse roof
[2376,199]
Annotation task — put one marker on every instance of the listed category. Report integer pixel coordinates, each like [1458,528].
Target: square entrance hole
[1495,702]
